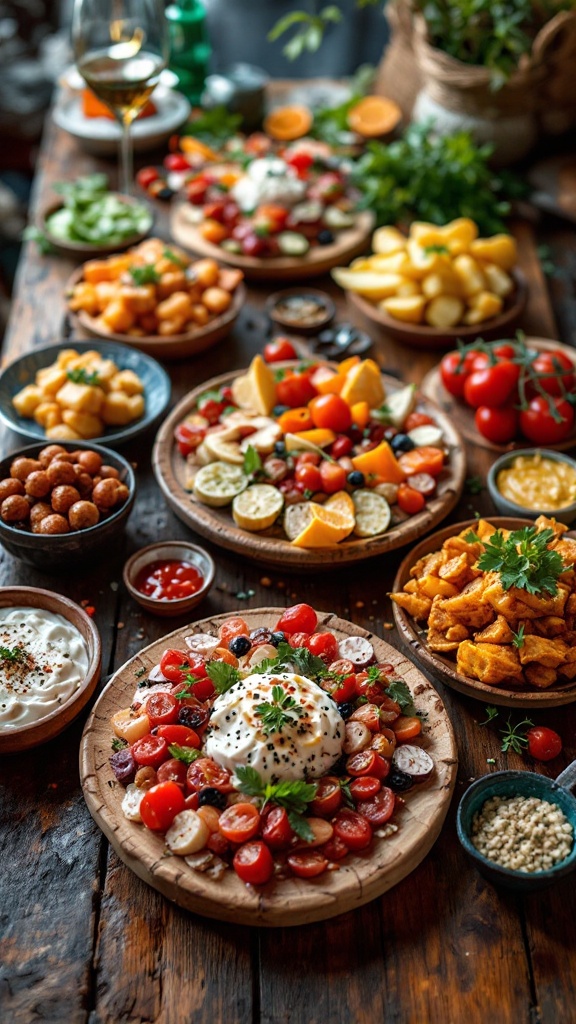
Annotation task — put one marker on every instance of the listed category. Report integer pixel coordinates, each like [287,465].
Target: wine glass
[121,46]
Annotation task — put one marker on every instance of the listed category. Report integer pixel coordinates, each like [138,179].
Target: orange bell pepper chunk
[327,382]
[347,364]
[360,414]
[381,462]
[294,420]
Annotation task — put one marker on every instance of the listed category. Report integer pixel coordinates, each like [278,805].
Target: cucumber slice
[308,213]
[291,243]
[426,435]
[231,245]
[338,219]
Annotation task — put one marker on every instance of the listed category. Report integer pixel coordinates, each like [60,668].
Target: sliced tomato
[205,772]
[231,628]
[367,762]
[160,805]
[378,809]
[162,709]
[426,459]
[365,786]
[307,863]
[328,797]
[253,863]
[276,829]
[353,829]
[240,822]
[150,751]
[180,734]
[335,849]
[173,770]
[407,727]
[175,665]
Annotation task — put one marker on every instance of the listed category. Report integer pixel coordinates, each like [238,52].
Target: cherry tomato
[254,245]
[308,477]
[176,162]
[146,176]
[543,744]
[162,709]
[188,437]
[454,370]
[323,645]
[342,690]
[276,829]
[497,425]
[367,762]
[342,446]
[309,458]
[385,742]
[217,843]
[205,772]
[160,805]
[353,829]
[240,822]
[416,419]
[231,628]
[379,808]
[328,188]
[410,500]
[335,849]
[276,215]
[177,665]
[328,797]
[492,386]
[173,770]
[180,734]
[203,689]
[426,459]
[504,351]
[254,863]
[332,412]
[278,350]
[196,191]
[298,639]
[307,863]
[301,160]
[211,410]
[406,727]
[539,425]
[294,390]
[558,371]
[333,477]
[368,714]
[299,618]
[150,751]
[365,786]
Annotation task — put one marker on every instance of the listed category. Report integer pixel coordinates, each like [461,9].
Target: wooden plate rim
[275,550]
[441,665]
[292,901]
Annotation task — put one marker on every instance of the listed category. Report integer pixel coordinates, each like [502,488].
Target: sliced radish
[414,761]
[357,650]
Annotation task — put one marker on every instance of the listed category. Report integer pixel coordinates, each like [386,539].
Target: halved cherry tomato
[254,863]
[180,734]
[146,176]
[333,477]
[410,500]
[217,843]
[231,628]
[335,849]
[422,460]
[309,459]
[368,714]
[498,425]
[188,437]
[205,772]
[331,412]
[353,829]
[385,742]
[176,162]
[307,863]
[173,770]
[150,751]
[203,689]
[276,828]
[177,665]
[340,690]
[328,797]
[323,645]
[308,477]
[299,618]
[294,420]
[543,744]
[341,667]
[342,446]
[407,727]
[301,159]
[297,639]
[295,390]
[223,654]
[379,808]
[162,709]
[160,805]
[367,762]
[240,822]
[416,419]
[365,786]
[277,215]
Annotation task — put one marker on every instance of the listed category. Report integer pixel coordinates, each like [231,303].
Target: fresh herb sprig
[491,714]
[146,274]
[14,655]
[185,754]
[293,795]
[514,736]
[81,376]
[524,560]
[280,711]
[300,657]
[223,676]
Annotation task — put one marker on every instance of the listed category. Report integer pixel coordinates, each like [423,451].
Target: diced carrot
[422,460]
[406,728]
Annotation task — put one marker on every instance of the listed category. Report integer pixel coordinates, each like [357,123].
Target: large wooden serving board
[443,666]
[320,258]
[271,546]
[462,416]
[359,878]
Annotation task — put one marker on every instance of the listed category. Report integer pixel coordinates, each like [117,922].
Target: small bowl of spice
[532,482]
[170,578]
[301,310]
[518,827]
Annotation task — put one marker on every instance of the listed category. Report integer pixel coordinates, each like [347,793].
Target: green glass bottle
[189,46]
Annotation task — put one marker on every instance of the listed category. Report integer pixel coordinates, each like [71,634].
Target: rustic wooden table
[82,939]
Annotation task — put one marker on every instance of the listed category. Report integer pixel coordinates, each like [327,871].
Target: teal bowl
[566,514]
[514,783]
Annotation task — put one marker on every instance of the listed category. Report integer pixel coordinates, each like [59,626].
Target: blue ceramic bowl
[22,371]
[508,784]
[509,508]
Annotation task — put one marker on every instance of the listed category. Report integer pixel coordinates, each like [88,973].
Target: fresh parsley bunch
[293,795]
[524,560]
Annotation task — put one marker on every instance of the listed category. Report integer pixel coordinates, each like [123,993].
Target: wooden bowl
[442,665]
[463,416]
[320,258]
[25,736]
[177,346]
[86,251]
[271,546]
[360,878]
[174,550]
[323,302]
[422,336]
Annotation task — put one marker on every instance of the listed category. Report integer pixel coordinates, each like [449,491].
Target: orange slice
[342,503]
[288,123]
[374,116]
[190,145]
[325,527]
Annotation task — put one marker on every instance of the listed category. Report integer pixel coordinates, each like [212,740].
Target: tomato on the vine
[454,369]
[538,423]
[558,372]
[543,744]
[278,350]
[498,425]
[492,386]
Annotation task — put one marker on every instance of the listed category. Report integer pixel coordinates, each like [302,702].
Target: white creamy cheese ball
[268,180]
[308,743]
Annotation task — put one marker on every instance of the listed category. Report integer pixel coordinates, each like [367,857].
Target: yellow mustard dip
[538,483]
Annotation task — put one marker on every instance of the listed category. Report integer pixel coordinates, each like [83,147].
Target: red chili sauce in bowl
[169,580]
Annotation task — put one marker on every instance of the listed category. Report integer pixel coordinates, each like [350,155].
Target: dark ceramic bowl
[514,783]
[566,514]
[69,552]
[172,550]
[280,305]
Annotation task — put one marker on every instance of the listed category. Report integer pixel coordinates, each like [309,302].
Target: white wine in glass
[121,46]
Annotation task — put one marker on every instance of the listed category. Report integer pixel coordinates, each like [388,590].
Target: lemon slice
[372,513]
[223,449]
[218,483]
[257,507]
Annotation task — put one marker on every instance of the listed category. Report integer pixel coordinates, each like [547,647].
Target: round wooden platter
[359,878]
[177,346]
[443,666]
[422,336]
[463,417]
[23,737]
[349,243]
[271,546]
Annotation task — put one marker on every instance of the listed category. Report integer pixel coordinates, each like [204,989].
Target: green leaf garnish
[491,713]
[518,638]
[472,537]
[441,250]
[282,710]
[118,744]
[252,461]
[169,255]
[222,675]
[524,560]
[293,795]
[185,754]
[146,274]
[398,690]
[15,655]
[300,657]
[82,376]
[514,736]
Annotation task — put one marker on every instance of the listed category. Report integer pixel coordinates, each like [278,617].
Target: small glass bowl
[173,550]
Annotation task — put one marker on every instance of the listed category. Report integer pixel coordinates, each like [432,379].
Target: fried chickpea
[122,493]
[84,482]
[63,497]
[106,472]
[204,271]
[53,524]
[22,467]
[37,484]
[10,486]
[105,494]
[216,300]
[83,514]
[14,509]
[90,461]
[38,512]
[49,453]
[61,473]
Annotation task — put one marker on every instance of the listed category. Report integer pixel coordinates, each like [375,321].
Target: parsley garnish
[472,537]
[283,710]
[83,377]
[514,737]
[140,672]
[524,560]
[169,255]
[442,250]
[518,638]
[185,754]
[293,795]
[252,461]
[303,660]
[347,793]
[118,744]
[144,275]
[474,485]
[13,654]
[398,690]
[222,675]
[491,713]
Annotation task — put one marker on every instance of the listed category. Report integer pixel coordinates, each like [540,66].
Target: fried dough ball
[83,514]
[109,471]
[37,484]
[14,509]
[22,467]
[10,486]
[50,452]
[53,524]
[84,482]
[60,472]
[63,497]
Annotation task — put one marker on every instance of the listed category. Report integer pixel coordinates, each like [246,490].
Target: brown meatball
[38,484]
[107,472]
[105,494]
[61,473]
[63,497]
[50,452]
[90,462]
[38,512]
[53,524]
[22,467]
[10,486]
[14,509]
[83,514]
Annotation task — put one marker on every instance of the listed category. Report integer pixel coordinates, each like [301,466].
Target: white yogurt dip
[308,743]
[43,660]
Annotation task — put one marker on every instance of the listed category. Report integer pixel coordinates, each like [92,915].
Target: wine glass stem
[126,166]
